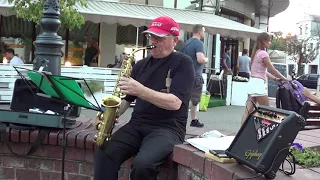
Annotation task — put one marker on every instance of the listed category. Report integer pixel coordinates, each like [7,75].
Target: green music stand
[67,90]
[64,88]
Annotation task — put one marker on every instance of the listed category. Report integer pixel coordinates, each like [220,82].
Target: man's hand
[130,86]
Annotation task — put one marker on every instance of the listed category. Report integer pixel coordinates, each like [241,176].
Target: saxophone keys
[95,138]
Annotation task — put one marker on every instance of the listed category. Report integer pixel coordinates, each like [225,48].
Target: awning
[141,15]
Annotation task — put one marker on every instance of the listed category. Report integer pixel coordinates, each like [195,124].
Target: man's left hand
[130,86]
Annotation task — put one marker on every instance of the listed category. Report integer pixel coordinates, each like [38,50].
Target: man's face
[164,45]
[9,55]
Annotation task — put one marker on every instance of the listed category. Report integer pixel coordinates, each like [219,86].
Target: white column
[217,56]
[247,40]
[137,38]
[181,35]
[107,44]
[209,51]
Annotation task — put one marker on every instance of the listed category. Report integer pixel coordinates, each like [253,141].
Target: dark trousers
[244,74]
[150,144]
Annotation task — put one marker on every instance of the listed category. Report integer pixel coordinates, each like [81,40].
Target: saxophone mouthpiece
[151,47]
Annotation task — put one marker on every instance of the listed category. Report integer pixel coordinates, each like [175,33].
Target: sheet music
[211,143]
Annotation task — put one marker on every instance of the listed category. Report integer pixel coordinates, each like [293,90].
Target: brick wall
[46,164]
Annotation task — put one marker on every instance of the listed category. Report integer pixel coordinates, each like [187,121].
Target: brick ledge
[189,157]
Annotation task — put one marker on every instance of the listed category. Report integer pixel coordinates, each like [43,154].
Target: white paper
[211,143]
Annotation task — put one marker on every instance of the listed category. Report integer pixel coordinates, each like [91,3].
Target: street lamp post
[48,43]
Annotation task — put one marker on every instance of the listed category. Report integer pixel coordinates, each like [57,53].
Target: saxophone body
[111,103]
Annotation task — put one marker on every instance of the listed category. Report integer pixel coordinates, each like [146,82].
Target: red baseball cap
[163,26]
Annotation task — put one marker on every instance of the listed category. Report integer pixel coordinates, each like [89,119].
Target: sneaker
[196,123]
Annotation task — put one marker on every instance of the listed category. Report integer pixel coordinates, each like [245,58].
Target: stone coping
[80,149]
[188,156]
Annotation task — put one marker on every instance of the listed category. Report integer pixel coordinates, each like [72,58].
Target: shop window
[77,43]
[17,34]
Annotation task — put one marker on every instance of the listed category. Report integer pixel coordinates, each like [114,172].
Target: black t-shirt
[152,73]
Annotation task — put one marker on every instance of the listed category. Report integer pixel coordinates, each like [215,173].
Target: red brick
[39,164]
[78,177]
[53,138]
[52,151]
[25,136]
[80,140]
[168,162]
[86,169]
[24,174]
[183,173]
[123,174]
[14,135]
[127,164]
[34,135]
[50,175]
[89,144]
[89,156]
[13,161]
[220,171]
[197,162]
[7,172]
[75,154]
[69,166]
[208,168]
[18,148]
[182,154]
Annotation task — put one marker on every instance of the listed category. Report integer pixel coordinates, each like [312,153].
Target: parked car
[309,80]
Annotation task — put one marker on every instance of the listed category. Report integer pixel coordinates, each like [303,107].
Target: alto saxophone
[111,103]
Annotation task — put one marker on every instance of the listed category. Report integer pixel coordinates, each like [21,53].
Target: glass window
[168,3]
[183,4]
[79,43]
[303,77]
[17,34]
[313,77]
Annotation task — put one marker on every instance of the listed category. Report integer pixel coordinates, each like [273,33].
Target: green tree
[32,11]
[278,42]
[302,51]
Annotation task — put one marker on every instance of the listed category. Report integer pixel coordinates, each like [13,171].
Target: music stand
[66,89]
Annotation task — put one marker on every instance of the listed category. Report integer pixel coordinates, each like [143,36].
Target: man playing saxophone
[161,85]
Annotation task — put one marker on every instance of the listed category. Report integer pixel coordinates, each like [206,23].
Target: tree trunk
[300,67]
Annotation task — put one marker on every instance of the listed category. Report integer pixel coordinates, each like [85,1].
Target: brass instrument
[111,103]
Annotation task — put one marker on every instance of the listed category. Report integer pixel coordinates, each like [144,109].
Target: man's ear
[175,41]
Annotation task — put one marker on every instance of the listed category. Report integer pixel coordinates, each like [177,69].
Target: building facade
[115,34]
[308,30]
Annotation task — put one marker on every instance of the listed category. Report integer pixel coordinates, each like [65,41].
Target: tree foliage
[32,11]
[278,42]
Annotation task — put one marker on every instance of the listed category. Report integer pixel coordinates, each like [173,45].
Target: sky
[286,21]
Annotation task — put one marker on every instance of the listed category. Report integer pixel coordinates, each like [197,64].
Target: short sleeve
[199,46]
[263,54]
[183,79]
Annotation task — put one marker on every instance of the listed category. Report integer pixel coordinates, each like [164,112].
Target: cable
[293,169]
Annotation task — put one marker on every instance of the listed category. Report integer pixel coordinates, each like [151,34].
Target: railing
[8,76]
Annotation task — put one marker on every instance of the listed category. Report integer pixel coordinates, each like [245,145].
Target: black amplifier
[264,140]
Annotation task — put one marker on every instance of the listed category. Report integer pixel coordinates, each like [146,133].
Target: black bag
[285,100]
[25,98]
[290,98]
